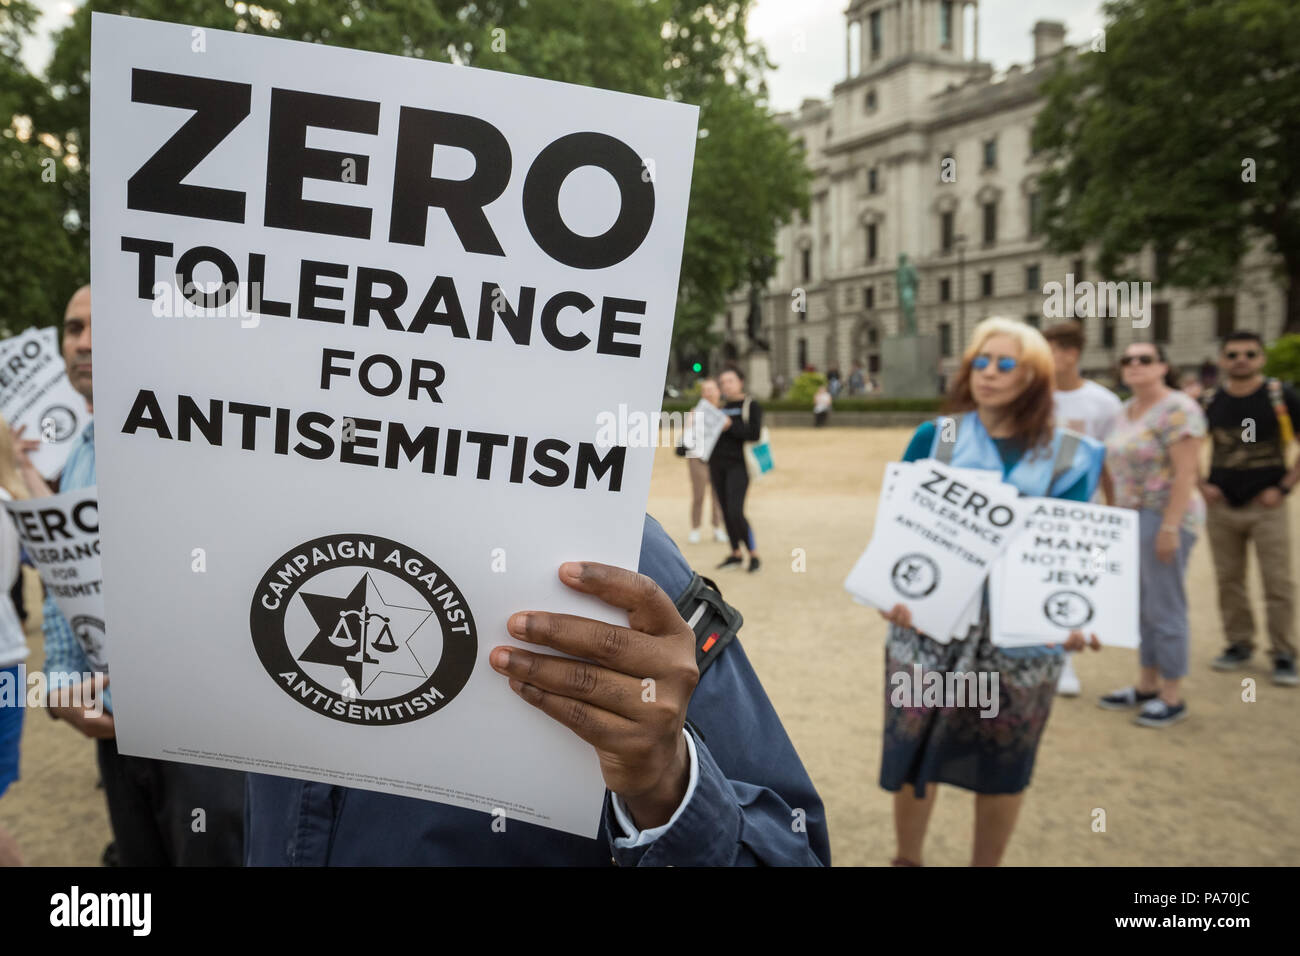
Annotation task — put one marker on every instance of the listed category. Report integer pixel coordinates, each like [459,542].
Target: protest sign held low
[60,534]
[35,395]
[936,533]
[1071,567]
[411,289]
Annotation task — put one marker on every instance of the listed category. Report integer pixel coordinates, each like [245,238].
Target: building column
[975,29]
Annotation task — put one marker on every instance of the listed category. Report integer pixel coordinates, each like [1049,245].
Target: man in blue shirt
[151,803]
[702,775]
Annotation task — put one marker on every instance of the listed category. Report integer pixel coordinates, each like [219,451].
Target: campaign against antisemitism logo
[58,423]
[363,629]
[1068,609]
[915,575]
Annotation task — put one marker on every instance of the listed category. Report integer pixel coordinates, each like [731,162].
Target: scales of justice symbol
[383,643]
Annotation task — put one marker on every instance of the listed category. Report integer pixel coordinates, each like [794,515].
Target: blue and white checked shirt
[65,661]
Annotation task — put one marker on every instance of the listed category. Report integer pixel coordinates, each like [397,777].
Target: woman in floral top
[1153,452]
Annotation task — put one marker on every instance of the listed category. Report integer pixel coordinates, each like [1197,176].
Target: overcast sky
[805,38]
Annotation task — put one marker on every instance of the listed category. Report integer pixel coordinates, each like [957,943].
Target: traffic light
[697,368]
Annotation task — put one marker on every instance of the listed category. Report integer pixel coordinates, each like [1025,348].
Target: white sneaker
[1068,685]
[694,536]
[720,536]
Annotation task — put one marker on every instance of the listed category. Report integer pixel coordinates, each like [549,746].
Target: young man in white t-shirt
[1085,407]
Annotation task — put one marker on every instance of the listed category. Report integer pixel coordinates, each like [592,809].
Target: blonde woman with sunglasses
[998,417]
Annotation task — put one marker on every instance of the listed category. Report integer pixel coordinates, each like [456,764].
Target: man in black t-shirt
[1251,426]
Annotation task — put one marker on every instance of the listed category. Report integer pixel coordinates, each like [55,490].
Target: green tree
[1183,135]
[747,178]
[41,259]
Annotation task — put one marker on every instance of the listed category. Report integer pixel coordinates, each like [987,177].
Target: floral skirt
[984,742]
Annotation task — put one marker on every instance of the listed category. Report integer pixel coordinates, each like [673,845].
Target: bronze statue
[906,278]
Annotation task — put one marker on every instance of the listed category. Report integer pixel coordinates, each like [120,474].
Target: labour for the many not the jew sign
[358,317]
[1071,567]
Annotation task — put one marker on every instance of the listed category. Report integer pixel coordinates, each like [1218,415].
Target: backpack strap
[1286,428]
[714,621]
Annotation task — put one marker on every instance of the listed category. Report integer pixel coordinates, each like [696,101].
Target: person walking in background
[13,644]
[1252,424]
[727,465]
[1152,453]
[822,402]
[701,483]
[1086,407]
[1002,404]
[857,381]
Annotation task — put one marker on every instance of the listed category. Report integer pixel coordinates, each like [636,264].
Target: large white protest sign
[323,498]
[937,531]
[706,423]
[61,535]
[35,393]
[1073,566]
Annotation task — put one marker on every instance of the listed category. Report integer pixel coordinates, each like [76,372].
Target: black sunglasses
[1143,359]
[1248,354]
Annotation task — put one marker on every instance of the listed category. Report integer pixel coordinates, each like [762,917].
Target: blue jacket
[753,804]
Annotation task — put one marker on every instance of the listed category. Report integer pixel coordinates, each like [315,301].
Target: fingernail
[516,685]
[517,625]
[500,658]
[571,570]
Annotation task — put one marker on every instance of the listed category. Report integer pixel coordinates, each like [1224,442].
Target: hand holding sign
[602,699]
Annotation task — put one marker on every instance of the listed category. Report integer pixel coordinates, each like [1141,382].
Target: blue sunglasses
[1005,363]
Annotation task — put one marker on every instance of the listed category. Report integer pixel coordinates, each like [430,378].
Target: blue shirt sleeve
[921,443]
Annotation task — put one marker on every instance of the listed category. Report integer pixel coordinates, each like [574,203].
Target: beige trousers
[1229,531]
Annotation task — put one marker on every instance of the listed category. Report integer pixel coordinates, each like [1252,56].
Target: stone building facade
[922,150]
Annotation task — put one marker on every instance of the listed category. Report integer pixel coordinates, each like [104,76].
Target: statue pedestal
[758,375]
[909,366]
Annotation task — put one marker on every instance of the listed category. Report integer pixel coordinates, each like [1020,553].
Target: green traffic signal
[697,368]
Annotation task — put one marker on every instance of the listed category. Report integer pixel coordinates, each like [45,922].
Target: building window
[946,230]
[990,223]
[991,153]
[1033,319]
[807,264]
[873,180]
[1033,279]
[1035,214]
[1078,271]
[873,336]
[803,354]
[729,326]
[1108,331]
[1225,316]
[871,242]
[945,339]
[986,284]
[871,101]
[945,24]
[945,289]
[869,296]
[876,35]
[1160,323]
